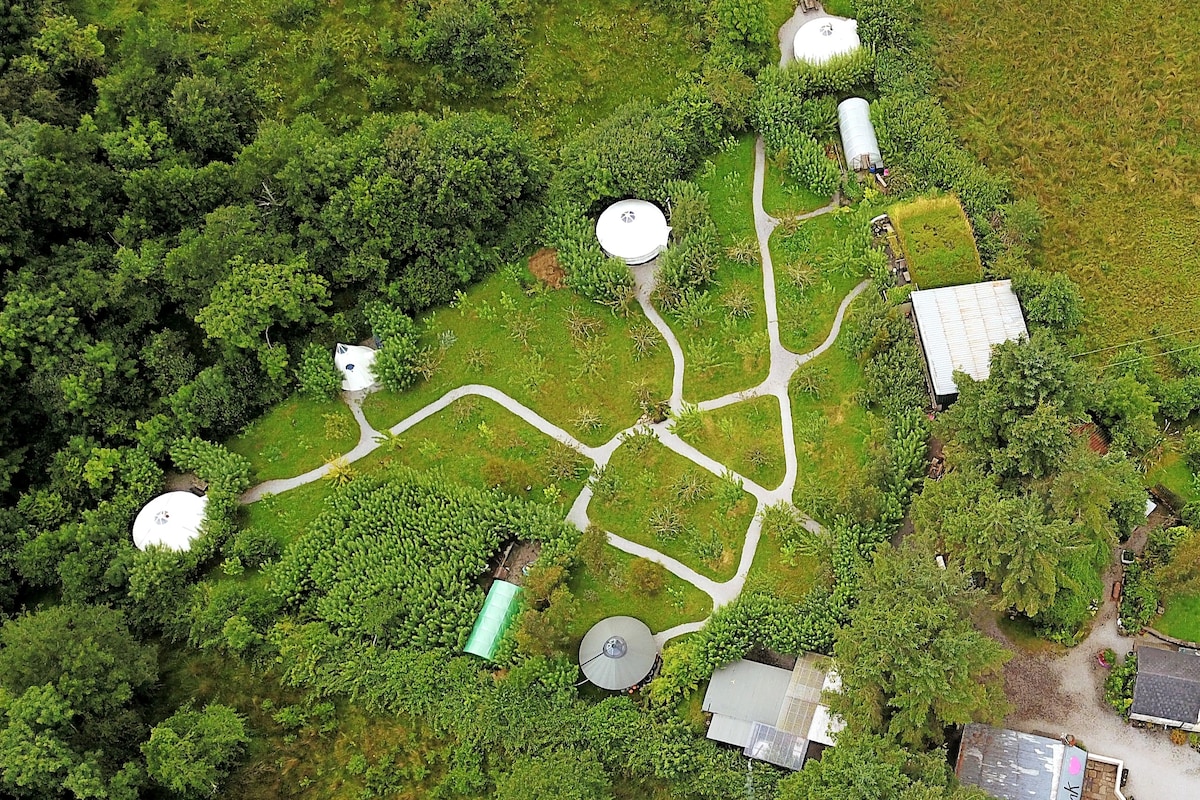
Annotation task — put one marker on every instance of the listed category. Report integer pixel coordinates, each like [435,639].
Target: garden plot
[746,436]
[937,241]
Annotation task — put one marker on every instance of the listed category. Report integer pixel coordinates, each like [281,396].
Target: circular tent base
[617,653]
[634,231]
[171,521]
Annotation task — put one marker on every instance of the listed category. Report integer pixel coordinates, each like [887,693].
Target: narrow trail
[784,363]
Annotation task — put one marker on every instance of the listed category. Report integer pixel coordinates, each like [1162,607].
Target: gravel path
[1057,693]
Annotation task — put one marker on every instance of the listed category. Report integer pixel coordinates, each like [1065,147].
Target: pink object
[1074,767]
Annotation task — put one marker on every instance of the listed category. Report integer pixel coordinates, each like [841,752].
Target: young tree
[256,296]
[910,661]
[191,752]
[317,375]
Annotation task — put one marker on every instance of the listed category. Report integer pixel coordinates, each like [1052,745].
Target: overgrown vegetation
[937,242]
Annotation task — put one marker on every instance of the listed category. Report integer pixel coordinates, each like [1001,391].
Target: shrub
[647,577]
[317,375]
[396,358]
[476,41]
[603,280]
[1049,298]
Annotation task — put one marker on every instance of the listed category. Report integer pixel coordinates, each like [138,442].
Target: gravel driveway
[1053,694]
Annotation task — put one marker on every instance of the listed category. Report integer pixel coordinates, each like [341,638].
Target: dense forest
[179,250]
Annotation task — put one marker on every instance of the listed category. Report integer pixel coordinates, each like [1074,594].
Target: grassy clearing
[773,572]
[1173,473]
[295,436]
[607,591]
[783,197]
[747,437]
[832,430]
[476,442]
[652,496]
[937,242]
[725,344]
[589,383]
[1182,617]
[337,60]
[1089,108]
[810,281]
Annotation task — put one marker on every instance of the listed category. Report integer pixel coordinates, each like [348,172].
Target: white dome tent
[354,362]
[824,38]
[858,135]
[171,520]
[633,230]
[617,653]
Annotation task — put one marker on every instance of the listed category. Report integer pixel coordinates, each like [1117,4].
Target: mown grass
[746,436]
[937,242]
[588,385]
[605,590]
[296,436]
[339,59]
[1181,618]
[725,347]
[775,573]
[783,197]
[1090,109]
[650,495]
[832,431]
[1173,473]
[809,281]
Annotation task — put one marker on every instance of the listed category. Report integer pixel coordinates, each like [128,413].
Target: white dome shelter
[822,39]
[354,362]
[171,520]
[617,653]
[858,135]
[633,230]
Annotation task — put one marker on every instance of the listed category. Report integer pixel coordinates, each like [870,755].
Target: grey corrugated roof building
[1167,690]
[1011,765]
[958,325]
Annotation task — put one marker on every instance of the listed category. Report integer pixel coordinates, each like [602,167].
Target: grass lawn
[745,436]
[1182,617]
[832,431]
[285,516]
[476,442]
[1174,474]
[608,592]
[581,59]
[1087,108]
[295,436]
[771,573]
[725,346]
[588,383]
[652,496]
[810,283]
[783,197]
[937,242]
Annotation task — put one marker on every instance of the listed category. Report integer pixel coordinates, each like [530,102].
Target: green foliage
[191,752]
[1049,298]
[937,241]
[603,280]
[317,375]
[397,559]
[884,342]
[1118,686]
[476,41]
[690,262]
[567,774]
[395,360]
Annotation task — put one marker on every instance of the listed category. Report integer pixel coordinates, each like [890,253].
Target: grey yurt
[617,653]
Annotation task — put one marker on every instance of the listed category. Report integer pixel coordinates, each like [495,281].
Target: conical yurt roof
[171,520]
[633,230]
[617,653]
[354,362]
[824,38]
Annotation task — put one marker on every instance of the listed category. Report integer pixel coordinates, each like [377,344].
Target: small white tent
[822,39]
[171,520]
[354,362]
[858,134]
[633,230]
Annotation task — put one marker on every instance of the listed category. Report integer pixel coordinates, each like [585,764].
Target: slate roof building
[958,326]
[1167,689]
[773,714]
[1011,765]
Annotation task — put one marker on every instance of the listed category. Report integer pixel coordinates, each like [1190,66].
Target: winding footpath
[783,364]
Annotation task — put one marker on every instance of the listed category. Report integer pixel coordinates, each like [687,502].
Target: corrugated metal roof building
[958,325]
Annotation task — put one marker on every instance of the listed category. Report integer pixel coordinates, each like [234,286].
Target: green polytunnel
[499,608]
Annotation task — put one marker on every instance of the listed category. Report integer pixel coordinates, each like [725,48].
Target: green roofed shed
[499,608]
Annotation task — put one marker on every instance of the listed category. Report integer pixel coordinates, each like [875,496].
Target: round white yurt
[633,230]
[354,362]
[858,135]
[617,653]
[821,39]
[171,520]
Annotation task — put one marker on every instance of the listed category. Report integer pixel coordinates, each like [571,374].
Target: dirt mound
[545,267]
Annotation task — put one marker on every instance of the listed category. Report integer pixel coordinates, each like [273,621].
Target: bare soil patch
[545,267]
